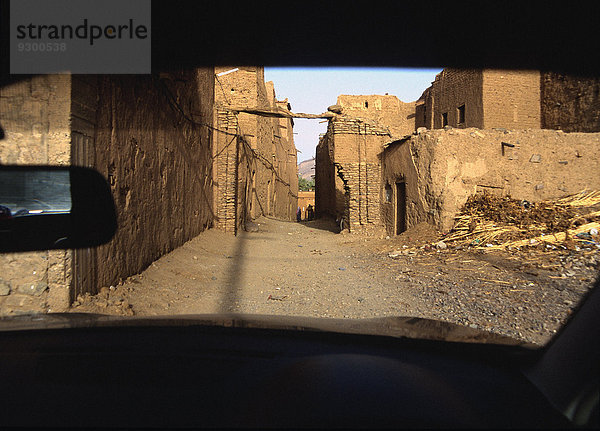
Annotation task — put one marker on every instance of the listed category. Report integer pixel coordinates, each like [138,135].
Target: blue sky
[312,90]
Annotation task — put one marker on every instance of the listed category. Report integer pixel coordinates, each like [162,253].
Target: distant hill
[306,169]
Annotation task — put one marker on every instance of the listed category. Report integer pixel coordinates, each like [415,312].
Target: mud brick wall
[442,168]
[511,99]
[325,178]
[453,88]
[285,198]
[225,165]
[354,148]
[265,181]
[424,110]
[34,114]
[158,164]
[234,178]
[267,167]
[492,99]
[386,110]
[570,103]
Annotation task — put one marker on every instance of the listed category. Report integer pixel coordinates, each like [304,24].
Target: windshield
[467,196]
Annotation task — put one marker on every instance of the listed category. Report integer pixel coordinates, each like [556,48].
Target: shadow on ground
[323,223]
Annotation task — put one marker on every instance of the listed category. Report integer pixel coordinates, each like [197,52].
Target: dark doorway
[400,207]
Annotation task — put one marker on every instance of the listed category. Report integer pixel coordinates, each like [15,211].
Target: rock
[4,288]
[441,245]
[535,158]
[35,288]
[421,130]
[336,109]
[104,292]
[251,227]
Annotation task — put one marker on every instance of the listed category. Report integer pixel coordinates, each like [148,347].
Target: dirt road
[307,269]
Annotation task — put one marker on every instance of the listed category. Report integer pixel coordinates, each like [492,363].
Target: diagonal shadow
[233,282]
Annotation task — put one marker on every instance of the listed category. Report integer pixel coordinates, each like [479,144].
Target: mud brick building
[481,98]
[510,99]
[304,200]
[381,176]
[428,176]
[147,135]
[254,162]
[385,110]
[348,172]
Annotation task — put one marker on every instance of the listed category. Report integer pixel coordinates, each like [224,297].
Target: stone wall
[442,168]
[34,114]
[570,103]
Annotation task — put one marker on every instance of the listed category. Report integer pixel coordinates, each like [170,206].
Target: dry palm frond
[556,238]
[581,199]
[486,218]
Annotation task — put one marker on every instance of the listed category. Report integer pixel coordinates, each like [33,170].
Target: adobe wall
[511,99]
[453,88]
[285,198]
[442,168]
[157,162]
[305,199]
[570,103]
[386,110]
[34,115]
[326,191]
[264,160]
[265,174]
[353,149]
[424,110]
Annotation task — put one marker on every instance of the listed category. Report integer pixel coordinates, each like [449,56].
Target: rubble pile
[491,221]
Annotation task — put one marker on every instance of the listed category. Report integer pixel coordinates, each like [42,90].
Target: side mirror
[52,207]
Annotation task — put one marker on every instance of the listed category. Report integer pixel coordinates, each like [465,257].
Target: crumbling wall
[355,149]
[325,178]
[570,103]
[34,114]
[386,110]
[442,168]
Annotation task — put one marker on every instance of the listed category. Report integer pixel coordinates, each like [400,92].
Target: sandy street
[307,269]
